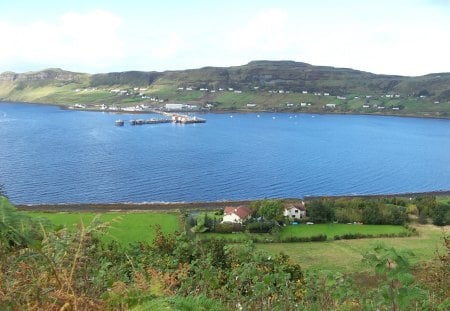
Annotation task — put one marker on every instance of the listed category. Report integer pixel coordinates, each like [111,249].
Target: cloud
[76,40]
[266,32]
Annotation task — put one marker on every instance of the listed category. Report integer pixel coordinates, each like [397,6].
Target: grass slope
[125,227]
[345,255]
[330,230]
[286,80]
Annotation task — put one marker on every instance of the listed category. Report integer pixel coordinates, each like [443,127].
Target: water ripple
[72,156]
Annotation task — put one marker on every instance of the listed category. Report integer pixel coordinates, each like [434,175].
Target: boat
[120,122]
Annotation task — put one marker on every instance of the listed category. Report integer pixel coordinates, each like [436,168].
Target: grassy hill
[258,86]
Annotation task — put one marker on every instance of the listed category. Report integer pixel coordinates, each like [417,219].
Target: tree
[441,215]
[372,214]
[426,204]
[320,211]
[271,210]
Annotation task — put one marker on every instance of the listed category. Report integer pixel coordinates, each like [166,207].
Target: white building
[295,211]
[174,106]
[236,215]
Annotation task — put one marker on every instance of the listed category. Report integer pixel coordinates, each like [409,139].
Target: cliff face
[262,75]
[48,74]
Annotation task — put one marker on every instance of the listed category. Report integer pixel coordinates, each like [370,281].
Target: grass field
[125,227]
[330,230]
[345,255]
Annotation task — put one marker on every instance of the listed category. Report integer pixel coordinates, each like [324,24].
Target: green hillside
[258,86]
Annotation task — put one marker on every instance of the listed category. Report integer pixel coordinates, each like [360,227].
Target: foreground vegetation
[48,267]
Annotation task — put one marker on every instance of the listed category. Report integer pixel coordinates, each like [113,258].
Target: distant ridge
[258,77]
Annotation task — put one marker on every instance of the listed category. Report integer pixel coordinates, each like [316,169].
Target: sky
[403,37]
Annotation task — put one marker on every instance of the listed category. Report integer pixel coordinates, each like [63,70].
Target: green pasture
[330,230]
[124,227]
[345,255]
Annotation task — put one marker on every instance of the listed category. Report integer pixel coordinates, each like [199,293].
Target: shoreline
[66,107]
[179,206]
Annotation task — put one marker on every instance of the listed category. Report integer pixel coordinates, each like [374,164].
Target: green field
[345,255]
[330,230]
[125,227]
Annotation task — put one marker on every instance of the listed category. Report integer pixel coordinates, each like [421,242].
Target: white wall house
[236,215]
[295,211]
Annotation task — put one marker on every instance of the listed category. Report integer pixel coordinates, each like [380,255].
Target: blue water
[49,155]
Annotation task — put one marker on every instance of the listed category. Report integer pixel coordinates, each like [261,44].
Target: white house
[331,105]
[236,215]
[174,106]
[295,211]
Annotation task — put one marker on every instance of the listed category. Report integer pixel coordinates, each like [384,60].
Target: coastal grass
[125,227]
[345,255]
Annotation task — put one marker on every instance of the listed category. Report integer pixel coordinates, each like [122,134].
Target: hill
[256,86]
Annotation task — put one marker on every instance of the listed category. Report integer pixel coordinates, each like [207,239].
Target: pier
[169,118]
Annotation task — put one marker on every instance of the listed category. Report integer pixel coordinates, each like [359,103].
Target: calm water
[49,155]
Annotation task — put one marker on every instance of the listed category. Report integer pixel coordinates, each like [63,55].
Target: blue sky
[406,37]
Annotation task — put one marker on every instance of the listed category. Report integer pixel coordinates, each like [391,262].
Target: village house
[295,211]
[236,215]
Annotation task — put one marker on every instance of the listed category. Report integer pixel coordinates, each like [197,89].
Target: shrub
[261,226]
[441,215]
[294,239]
[227,227]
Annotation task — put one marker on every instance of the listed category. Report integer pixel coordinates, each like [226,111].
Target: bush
[294,239]
[227,227]
[441,215]
[261,226]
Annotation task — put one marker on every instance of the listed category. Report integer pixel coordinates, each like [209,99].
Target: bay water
[51,155]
